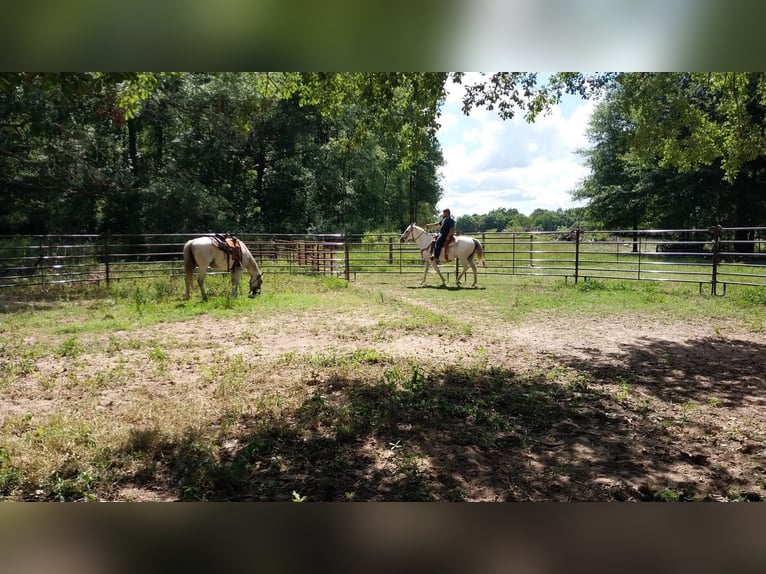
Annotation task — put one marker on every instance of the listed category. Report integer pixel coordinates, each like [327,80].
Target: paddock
[376,389]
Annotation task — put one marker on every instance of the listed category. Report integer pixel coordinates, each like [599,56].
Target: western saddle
[229,245]
[445,247]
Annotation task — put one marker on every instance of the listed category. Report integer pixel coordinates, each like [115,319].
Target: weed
[139,300]
[751,297]
[623,393]
[21,366]
[394,377]
[368,356]
[76,488]
[160,358]
[287,358]
[70,348]
[667,495]
[591,285]
[163,289]
[10,476]
[416,382]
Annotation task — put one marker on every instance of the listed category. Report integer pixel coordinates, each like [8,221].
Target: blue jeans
[438,247]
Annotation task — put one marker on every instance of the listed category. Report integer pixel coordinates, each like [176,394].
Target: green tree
[638,181]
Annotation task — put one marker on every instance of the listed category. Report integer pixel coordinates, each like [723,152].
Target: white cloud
[491,163]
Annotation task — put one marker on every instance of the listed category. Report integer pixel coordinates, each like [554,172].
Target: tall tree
[658,156]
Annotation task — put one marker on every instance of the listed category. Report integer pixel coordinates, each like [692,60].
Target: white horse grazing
[464,249]
[213,251]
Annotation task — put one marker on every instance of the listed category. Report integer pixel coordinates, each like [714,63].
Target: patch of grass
[70,348]
[160,358]
[349,360]
[10,476]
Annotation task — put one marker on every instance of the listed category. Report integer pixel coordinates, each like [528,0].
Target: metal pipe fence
[714,257]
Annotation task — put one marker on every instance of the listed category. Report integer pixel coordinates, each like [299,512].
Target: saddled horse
[464,249]
[215,252]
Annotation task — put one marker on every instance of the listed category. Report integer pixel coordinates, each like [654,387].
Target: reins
[415,239]
[422,233]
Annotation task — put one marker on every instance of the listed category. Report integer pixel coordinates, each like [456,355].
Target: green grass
[518,298]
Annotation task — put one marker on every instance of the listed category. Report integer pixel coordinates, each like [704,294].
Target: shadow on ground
[452,435]
[730,371]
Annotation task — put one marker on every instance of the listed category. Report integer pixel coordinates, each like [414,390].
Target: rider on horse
[446,230]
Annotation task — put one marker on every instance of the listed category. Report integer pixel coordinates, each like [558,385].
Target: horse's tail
[189,262]
[478,252]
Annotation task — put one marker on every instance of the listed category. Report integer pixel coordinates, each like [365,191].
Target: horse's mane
[247,257]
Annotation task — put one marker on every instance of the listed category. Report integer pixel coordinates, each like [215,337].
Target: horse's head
[256,281]
[407,234]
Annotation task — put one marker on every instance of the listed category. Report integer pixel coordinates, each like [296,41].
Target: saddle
[445,247]
[229,245]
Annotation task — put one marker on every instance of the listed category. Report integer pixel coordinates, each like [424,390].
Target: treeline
[278,152]
[357,152]
[503,219]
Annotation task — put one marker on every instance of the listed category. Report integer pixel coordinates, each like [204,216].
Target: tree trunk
[132,146]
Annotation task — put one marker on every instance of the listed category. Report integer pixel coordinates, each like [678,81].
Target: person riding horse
[446,230]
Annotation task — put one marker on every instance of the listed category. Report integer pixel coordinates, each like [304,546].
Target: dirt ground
[652,410]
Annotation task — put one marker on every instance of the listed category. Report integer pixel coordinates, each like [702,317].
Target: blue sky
[491,163]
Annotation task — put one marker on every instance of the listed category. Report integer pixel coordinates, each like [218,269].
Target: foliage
[690,120]
[671,150]
[286,152]
[319,151]
[514,92]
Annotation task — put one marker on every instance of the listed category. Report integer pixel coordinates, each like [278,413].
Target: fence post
[716,231]
[390,250]
[346,258]
[578,232]
[44,244]
[106,257]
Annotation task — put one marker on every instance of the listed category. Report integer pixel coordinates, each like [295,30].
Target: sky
[492,163]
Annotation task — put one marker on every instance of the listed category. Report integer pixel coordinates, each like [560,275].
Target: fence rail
[714,257]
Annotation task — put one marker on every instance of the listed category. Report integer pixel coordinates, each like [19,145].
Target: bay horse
[216,252]
[464,249]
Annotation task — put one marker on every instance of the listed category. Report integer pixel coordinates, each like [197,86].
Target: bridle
[411,231]
[422,233]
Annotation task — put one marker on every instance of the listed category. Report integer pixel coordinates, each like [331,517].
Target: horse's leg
[473,267]
[189,264]
[425,271]
[438,271]
[462,273]
[236,275]
[201,282]
[188,280]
